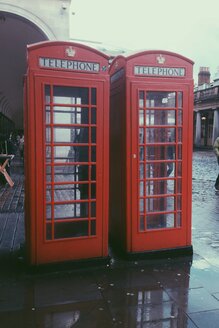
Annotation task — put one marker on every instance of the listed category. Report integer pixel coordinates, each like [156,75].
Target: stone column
[215,133]
[198,129]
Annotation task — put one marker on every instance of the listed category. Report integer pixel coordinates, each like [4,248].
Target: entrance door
[160,183]
[69,143]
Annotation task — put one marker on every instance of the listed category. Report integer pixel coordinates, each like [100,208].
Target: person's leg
[170,168]
[217,183]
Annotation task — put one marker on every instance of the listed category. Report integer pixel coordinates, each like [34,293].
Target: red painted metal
[151,182]
[66,152]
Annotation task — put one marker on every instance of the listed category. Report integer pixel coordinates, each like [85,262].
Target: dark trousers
[217,183]
[217,180]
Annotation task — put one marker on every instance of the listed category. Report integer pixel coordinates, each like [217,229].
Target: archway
[16,32]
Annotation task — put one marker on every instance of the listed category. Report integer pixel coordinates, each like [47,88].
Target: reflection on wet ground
[166,293]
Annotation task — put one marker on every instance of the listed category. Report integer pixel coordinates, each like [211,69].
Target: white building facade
[206,109]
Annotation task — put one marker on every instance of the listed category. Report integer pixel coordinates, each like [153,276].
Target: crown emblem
[161,59]
[116,64]
[70,52]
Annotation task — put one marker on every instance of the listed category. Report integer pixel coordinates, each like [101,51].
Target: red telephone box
[151,122]
[66,152]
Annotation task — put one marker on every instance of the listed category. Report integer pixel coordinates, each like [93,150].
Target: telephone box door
[69,144]
[160,162]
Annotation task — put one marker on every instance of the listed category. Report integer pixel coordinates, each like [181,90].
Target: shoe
[216,188]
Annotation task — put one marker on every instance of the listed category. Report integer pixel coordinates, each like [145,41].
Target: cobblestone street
[205,207]
[172,292]
[12,199]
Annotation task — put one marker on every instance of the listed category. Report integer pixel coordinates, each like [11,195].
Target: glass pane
[141,99]
[170,169]
[70,173]
[48,212]
[179,134]
[161,204]
[179,151]
[160,117]
[71,135]
[141,205]
[141,117]
[71,211]
[64,153]
[155,170]
[150,169]
[70,115]
[93,154]
[170,204]
[180,99]
[93,190]
[149,204]
[47,94]
[70,95]
[180,117]
[84,210]
[93,96]
[160,152]
[70,154]
[160,99]
[66,192]
[48,231]
[48,116]
[93,116]
[83,173]
[179,202]
[179,186]
[93,228]
[158,135]
[171,189]
[159,221]
[93,172]
[84,190]
[179,169]
[159,170]
[82,153]
[93,209]
[159,187]
[141,188]
[93,135]
[141,171]
[48,135]
[142,223]
[178,219]
[141,153]
[48,194]
[71,229]
[149,117]
[141,135]
[48,154]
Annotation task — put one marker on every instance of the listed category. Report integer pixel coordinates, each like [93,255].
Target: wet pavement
[167,293]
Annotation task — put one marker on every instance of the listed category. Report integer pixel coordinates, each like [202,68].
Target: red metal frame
[66,140]
[158,207]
